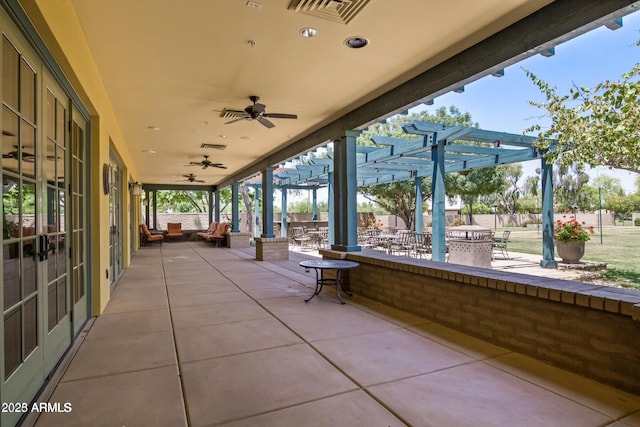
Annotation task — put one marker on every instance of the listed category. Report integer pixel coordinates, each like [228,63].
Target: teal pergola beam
[438,242]
[419,226]
[548,243]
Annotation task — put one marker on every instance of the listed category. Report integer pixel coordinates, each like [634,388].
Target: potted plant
[570,236]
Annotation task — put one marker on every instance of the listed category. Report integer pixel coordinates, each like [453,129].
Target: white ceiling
[175,65]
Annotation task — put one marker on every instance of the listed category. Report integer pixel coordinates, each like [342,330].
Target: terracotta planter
[570,252]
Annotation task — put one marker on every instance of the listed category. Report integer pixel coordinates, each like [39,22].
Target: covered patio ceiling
[172,71]
[399,159]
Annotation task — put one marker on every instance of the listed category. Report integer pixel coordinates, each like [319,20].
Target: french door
[44,234]
[115,220]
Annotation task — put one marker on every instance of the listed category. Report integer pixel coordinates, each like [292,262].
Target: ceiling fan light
[356,42]
[309,32]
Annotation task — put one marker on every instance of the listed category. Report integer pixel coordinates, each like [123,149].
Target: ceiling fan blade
[219,165]
[280,116]
[205,165]
[266,123]
[233,113]
[194,164]
[235,120]
[198,180]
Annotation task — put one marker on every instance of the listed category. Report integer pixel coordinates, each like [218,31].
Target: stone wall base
[272,248]
[238,240]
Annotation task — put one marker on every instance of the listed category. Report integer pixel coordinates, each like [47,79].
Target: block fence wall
[588,329]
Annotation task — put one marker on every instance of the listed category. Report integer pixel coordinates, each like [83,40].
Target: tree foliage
[569,183]
[470,185]
[602,129]
[623,206]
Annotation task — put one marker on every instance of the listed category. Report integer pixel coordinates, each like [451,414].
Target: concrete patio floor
[202,336]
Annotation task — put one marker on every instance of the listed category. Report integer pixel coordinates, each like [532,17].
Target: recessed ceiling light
[153,127]
[308,32]
[356,42]
[222,136]
[245,137]
[149,151]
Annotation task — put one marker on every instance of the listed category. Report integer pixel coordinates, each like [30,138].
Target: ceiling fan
[15,154]
[206,163]
[255,112]
[191,178]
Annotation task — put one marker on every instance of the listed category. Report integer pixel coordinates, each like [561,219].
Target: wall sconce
[136,189]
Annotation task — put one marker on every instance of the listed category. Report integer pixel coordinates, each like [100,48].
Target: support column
[216,209]
[256,211]
[283,218]
[267,202]
[419,217]
[314,206]
[331,240]
[548,243]
[235,208]
[438,242]
[268,246]
[345,194]
[210,207]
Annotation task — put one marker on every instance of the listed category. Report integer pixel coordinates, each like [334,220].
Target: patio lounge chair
[219,236]
[206,234]
[147,237]
[174,230]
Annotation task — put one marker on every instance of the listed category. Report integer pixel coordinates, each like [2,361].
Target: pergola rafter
[397,159]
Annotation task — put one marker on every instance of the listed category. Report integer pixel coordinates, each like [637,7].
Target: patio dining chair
[404,244]
[501,244]
[422,245]
[301,238]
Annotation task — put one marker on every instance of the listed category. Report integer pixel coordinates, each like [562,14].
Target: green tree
[470,185]
[604,187]
[569,184]
[182,201]
[603,129]
[623,206]
[511,188]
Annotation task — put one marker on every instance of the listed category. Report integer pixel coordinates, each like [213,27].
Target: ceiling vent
[342,11]
[213,146]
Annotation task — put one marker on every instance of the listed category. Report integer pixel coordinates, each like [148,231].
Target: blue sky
[502,103]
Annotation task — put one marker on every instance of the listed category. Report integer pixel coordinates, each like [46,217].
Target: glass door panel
[115,219]
[77,171]
[21,370]
[54,255]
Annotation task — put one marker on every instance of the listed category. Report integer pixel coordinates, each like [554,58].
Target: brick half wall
[587,329]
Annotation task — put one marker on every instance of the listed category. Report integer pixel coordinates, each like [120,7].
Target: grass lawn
[620,248]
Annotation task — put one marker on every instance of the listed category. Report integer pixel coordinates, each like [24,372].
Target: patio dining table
[329,264]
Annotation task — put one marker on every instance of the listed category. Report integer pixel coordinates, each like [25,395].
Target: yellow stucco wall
[57,24]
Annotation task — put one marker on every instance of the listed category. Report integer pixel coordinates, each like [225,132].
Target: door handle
[44,247]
